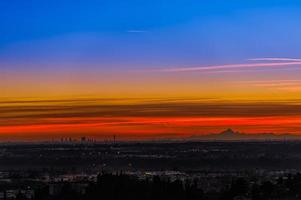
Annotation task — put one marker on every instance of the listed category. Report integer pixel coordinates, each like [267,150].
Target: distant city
[82,140]
[226,135]
[71,168]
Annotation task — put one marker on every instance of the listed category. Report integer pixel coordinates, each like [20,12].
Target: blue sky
[145,34]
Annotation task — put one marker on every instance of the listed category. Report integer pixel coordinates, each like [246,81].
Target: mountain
[230,135]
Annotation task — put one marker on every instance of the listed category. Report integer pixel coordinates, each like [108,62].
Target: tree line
[122,186]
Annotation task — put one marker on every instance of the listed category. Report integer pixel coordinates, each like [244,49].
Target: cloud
[232,66]
[137,31]
[28,113]
[281,81]
[285,62]
[292,85]
[55,119]
[274,59]
[249,70]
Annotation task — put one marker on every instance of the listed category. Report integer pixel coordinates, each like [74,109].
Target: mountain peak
[229,132]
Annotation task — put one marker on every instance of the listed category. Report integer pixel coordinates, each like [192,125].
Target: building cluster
[76,140]
[14,193]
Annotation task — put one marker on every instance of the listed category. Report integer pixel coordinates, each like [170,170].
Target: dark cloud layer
[27,111]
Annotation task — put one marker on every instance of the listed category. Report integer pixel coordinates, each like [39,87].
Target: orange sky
[151,104]
[143,118]
[149,127]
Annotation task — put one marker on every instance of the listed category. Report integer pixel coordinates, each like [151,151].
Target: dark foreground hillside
[214,170]
[121,187]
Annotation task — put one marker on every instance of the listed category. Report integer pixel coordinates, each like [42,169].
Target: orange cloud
[144,119]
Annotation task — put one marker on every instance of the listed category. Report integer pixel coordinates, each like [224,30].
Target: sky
[148,69]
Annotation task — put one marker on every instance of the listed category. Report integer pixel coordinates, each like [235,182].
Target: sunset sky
[155,69]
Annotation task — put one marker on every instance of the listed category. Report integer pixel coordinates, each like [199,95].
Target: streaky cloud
[274,59]
[137,31]
[284,84]
[232,66]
